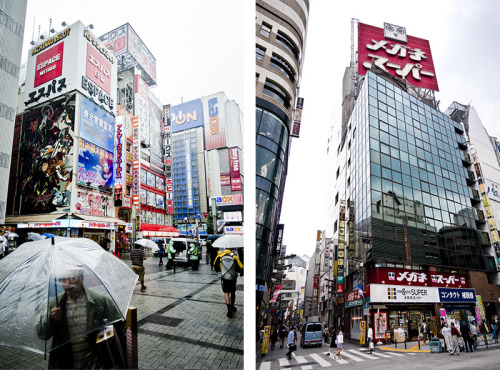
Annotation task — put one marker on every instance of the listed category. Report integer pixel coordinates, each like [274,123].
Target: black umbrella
[214,237]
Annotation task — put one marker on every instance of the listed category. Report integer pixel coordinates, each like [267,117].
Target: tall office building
[405,206]
[281,29]
[12,17]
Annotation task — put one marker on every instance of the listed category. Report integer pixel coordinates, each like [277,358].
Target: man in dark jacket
[73,320]
[464,330]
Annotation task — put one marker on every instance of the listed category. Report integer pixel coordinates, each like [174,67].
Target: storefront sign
[238,230]
[277,289]
[234,166]
[457,295]
[233,199]
[362,325]
[383,293]
[353,299]
[232,216]
[167,155]
[100,225]
[415,277]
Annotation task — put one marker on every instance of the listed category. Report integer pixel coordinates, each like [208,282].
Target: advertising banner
[135,157]
[146,61]
[57,66]
[142,108]
[457,295]
[234,166]
[265,342]
[151,178]
[155,137]
[277,289]
[297,118]
[416,277]
[187,115]
[188,173]
[225,179]
[95,167]
[384,293]
[215,128]
[119,154]
[167,155]
[93,203]
[233,217]
[96,125]
[380,320]
[353,299]
[116,40]
[362,325]
[46,157]
[411,60]
[227,200]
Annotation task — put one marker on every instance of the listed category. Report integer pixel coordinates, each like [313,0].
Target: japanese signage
[142,107]
[155,138]
[383,293]
[409,60]
[189,175]
[353,299]
[416,278]
[480,314]
[135,157]
[167,155]
[95,166]
[119,154]
[279,236]
[187,115]
[234,166]
[297,118]
[277,289]
[96,125]
[49,64]
[341,246]
[93,203]
[225,179]
[215,130]
[315,291]
[98,69]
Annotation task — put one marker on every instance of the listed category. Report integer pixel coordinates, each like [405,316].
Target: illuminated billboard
[187,115]
[72,59]
[96,125]
[411,60]
[95,166]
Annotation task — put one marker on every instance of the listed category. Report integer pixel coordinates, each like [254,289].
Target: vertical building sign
[297,118]
[316,270]
[188,174]
[341,249]
[136,147]
[234,164]
[215,133]
[167,146]
[119,159]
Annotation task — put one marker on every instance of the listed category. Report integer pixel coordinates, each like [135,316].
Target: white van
[181,246]
[165,240]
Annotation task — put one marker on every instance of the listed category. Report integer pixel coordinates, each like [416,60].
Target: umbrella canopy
[213,237]
[2,239]
[48,235]
[11,234]
[147,243]
[229,241]
[31,284]
[35,236]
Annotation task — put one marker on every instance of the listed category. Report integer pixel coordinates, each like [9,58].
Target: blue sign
[187,115]
[198,215]
[366,306]
[457,295]
[97,126]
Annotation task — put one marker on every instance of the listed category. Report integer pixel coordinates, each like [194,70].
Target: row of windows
[273,90]
[282,39]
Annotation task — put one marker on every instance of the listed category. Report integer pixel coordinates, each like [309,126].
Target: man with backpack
[228,264]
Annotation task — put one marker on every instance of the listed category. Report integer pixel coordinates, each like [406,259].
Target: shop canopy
[158,230]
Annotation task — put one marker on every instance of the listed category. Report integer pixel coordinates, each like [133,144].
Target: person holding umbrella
[228,264]
[74,318]
[137,256]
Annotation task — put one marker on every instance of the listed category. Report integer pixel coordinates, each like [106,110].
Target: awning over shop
[158,230]
[25,219]
[64,220]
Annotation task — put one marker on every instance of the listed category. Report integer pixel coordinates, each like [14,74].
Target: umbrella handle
[55,286]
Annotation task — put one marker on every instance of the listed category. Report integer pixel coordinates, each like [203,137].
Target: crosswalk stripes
[352,357]
[381,354]
[320,360]
[284,362]
[265,365]
[302,360]
[363,354]
[394,354]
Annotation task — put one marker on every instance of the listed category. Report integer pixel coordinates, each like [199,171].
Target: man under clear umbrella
[228,264]
[75,316]
[138,256]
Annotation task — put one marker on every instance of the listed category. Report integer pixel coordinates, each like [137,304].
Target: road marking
[352,357]
[395,354]
[284,362]
[265,365]
[381,354]
[363,354]
[320,360]
[301,360]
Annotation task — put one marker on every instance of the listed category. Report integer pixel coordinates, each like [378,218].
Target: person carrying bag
[291,343]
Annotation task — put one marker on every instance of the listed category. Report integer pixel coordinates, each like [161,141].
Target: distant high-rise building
[12,17]
[281,30]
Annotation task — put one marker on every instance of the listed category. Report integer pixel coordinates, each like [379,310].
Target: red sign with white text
[234,166]
[391,276]
[49,64]
[411,61]
[98,69]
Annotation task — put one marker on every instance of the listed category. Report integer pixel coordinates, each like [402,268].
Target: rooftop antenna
[51,30]
[33,35]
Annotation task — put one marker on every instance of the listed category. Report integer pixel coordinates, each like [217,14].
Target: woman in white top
[340,342]
[370,337]
[446,331]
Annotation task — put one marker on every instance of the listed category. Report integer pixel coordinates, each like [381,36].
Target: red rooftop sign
[393,276]
[411,60]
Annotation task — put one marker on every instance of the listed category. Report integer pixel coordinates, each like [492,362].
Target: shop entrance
[409,319]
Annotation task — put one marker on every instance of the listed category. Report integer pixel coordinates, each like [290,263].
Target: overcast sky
[196,43]
[464,40]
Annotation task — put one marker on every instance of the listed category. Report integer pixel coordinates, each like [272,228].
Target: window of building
[273,90]
[128,190]
[282,65]
[265,30]
[260,52]
[129,147]
[285,41]
[129,168]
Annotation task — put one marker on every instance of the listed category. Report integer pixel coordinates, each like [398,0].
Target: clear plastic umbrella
[11,234]
[147,243]
[229,241]
[35,236]
[31,284]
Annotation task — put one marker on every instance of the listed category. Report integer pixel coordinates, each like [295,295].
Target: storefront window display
[356,318]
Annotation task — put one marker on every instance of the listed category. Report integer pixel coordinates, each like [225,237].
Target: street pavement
[383,357]
[182,323]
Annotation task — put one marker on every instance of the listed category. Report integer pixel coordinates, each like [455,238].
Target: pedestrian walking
[213,253]
[170,255]
[161,249]
[370,338]
[473,335]
[137,256]
[425,330]
[282,333]
[71,314]
[464,329]
[274,337]
[454,340]
[193,256]
[340,343]
[333,344]
[495,332]
[292,346]
[325,335]
[229,265]
[446,332]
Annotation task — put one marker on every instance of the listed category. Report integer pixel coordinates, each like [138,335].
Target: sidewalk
[182,323]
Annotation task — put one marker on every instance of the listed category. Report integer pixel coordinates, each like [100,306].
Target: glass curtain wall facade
[413,206]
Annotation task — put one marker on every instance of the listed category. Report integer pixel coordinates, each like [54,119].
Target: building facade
[281,29]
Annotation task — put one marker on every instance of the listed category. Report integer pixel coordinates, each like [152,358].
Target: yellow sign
[265,342]
[479,302]
[362,325]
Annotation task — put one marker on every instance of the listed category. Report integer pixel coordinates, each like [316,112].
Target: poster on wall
[95,167]
[151,198]
[160,183]
[143,196]
[160,201]
[96,125]
[93,203]
[46,157]
[380,320]
[150,177]
[144,176]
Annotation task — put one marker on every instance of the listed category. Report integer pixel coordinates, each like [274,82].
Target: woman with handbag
[291,343]
[370,338]
[340,343]
[332,343]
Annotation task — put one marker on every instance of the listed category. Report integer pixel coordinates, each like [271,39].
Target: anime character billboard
[95,167]
[46,157]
